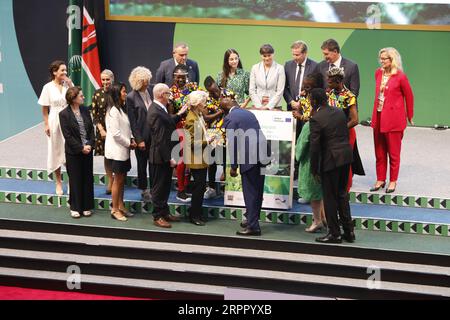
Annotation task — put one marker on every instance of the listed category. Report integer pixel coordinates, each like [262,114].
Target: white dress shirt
[302,74]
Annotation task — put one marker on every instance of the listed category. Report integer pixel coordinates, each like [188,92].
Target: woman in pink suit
[394,103]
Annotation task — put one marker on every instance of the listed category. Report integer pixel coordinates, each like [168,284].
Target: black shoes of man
[329,238]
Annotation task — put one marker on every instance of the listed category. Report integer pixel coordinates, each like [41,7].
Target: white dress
[56,100]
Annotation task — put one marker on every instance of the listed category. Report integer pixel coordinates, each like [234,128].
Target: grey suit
[164,74]
[137,114]
[351,71]
[292,84]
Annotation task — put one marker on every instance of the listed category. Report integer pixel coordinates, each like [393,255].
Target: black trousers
[336,200]
[81,181]
[253,190]
[142,164]
[212,169]
[198,191]
[161,175]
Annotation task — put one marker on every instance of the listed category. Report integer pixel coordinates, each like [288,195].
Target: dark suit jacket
[137,114]
[292,86]
[244,152]
[161,125]
[351,70]
[329,145]
[164,74]
[71,130]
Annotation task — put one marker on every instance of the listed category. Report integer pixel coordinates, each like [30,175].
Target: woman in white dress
[53,101]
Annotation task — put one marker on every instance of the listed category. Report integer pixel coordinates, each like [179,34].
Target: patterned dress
[99,107]
[239,84]
[213,106]
[178,98]
[344,100]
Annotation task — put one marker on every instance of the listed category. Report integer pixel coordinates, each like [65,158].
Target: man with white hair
[164,74]
[160,127]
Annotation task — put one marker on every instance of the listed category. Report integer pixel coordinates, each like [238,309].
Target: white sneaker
[210,193]
[87,213]
[302,201]
[75,214]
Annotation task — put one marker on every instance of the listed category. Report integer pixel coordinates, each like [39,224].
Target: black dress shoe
[329,238]
[349,237]
[389,190]
[244,225]
[197,222]
[204,219]
[373,189]
[249,232]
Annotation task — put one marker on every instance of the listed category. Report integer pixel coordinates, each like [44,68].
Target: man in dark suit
[332,55]
[164,74]
[296,70]
[243,135]
[331,156]
[161,128]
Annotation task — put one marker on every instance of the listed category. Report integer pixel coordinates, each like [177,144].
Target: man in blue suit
[247,147]
[164,74]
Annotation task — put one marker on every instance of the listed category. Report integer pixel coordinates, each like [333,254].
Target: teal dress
[239,84]
[308,187]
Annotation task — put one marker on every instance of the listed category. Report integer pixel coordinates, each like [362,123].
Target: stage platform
[424,168]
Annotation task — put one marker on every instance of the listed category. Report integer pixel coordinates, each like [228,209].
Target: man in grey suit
[296,70]
[164,74]
[333,58]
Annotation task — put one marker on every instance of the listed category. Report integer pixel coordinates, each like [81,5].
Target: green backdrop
[424,54]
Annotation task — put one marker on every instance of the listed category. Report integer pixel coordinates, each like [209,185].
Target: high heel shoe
[389,190]
[118,216]
[314,228]
[375,188]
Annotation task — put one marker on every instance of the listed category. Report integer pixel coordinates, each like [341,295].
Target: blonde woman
[394,103]
[138,103]
[196,142]
[53,101]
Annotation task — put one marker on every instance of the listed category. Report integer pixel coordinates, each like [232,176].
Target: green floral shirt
[239,84]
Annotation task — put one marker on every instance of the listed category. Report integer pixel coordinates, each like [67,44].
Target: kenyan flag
[84,62]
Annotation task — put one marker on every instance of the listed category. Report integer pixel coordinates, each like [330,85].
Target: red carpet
[13,293]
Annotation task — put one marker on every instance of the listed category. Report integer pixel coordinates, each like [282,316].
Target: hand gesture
[86,149]
[103,134]
[47,130]
[133,144]
[183,110]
